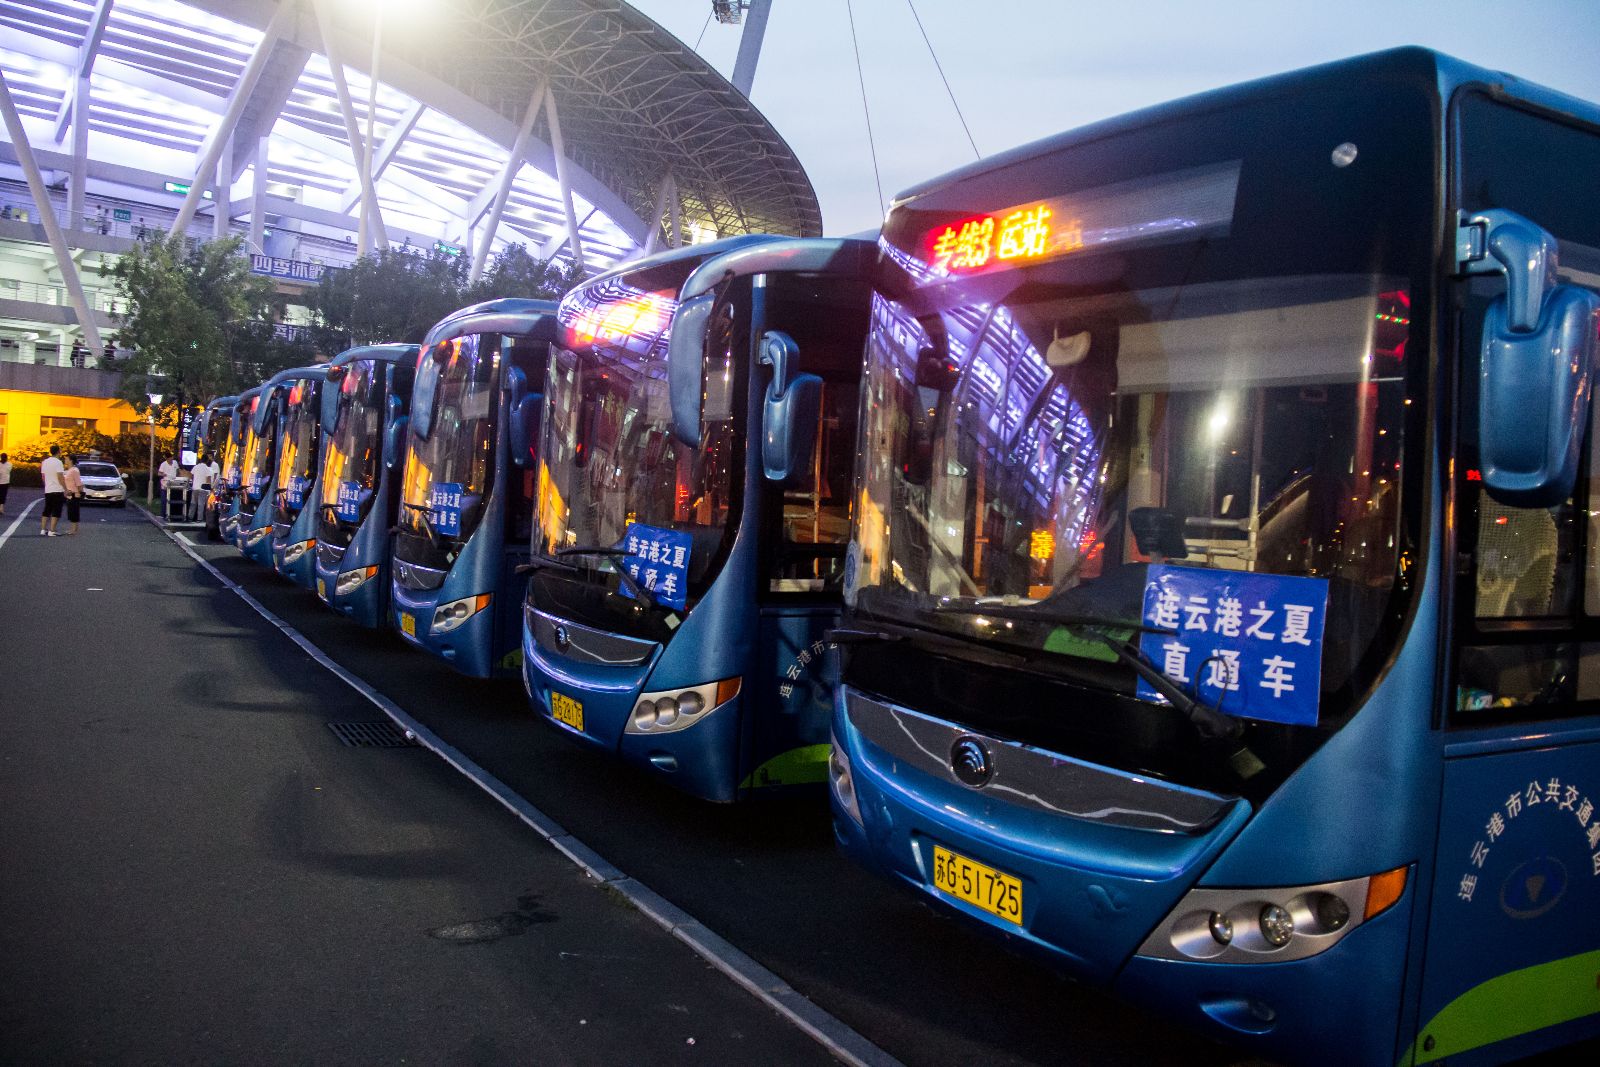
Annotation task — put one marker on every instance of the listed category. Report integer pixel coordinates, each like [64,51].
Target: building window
[135,427]
[57,423]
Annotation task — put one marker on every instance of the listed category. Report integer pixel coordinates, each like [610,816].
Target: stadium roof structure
[485,114]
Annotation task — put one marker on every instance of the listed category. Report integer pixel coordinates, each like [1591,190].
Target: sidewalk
[197,870]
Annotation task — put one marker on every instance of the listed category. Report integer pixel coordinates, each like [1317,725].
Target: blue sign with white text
[351,496]
[297,491]
[1248,644]
[444,506]
[658,560]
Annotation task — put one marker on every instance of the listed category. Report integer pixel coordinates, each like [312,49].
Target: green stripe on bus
[798,766]
[1513,1004]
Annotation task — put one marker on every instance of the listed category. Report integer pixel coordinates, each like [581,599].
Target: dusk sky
[1025,69]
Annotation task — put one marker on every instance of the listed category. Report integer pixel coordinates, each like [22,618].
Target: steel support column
[258,196]
[755,30]
[80,152]
[514,162]
[563,175]
[221,209]
[674,215]
[654,237]
[223,131]
[371,226]
[47,215]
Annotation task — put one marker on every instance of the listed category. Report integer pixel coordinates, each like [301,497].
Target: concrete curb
[840,1040]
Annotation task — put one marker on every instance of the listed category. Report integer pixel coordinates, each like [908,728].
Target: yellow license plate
[322,588]
[995,892]
[564,709]
[408,624]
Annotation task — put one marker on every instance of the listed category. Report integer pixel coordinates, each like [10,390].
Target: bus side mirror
[394,439]
[1536,370]
[422,396]
[328,414]
[686,350]
[790,410]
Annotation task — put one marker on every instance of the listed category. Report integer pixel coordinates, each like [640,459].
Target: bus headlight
[842,783]
[447,617]
[679,709]
[1270,925]
[350,581]
[255,537]
[293,553]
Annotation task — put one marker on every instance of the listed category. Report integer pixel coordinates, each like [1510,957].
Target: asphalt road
[766,876]
[195,870]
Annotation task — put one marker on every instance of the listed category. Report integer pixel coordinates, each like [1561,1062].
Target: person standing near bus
[5,480]
[72,483]
[166,472]
[54,492]
[200,476]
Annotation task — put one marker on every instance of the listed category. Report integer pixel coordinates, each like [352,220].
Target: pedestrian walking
[72,483]
[200,477]
[5,480]
[166,472]
[55,492]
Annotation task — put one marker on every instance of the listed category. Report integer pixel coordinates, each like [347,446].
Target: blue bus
[258,469]
[296,396]
[364,405]
[466,496]
[1225,583]
[212,439]
[694,510]
[230,481]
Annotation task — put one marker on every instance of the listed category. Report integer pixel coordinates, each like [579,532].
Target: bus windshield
[297,452]
[354,450]
[228,476]
[610,460]
[1197,358]
[449,475]
[257,458]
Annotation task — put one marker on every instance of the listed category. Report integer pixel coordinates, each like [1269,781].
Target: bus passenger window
[1524,561]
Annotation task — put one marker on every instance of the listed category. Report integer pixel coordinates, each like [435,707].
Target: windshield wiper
[1212,723]
[427,527]
[645,596]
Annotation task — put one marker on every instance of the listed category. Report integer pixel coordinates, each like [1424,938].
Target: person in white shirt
[200,478]
[5,480]
[55,491]
[166,472]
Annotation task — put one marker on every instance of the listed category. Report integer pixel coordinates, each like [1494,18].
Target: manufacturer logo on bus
[971,763]
[563,637]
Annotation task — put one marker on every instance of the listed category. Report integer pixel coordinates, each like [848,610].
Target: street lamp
[149,486]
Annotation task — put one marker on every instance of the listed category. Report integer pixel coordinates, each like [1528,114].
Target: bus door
[1512,962]
[805,524]
[524,360]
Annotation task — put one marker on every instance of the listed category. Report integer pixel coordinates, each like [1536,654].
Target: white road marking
[17,522]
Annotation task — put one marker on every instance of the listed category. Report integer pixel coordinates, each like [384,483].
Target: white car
[103,483]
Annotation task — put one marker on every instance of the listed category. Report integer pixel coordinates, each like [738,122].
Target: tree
[388,296]
[516,272]
[192,309]
[398,295]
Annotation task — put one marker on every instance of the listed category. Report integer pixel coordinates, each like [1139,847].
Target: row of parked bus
[1172,543]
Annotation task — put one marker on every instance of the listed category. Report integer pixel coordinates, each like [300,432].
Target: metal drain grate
[383,734]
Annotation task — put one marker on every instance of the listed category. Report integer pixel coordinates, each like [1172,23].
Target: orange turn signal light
[727,689]
[1384,889]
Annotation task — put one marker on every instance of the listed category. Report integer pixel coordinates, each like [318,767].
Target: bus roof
[671,256]
[514,315]
[1444,73]
[385,353]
